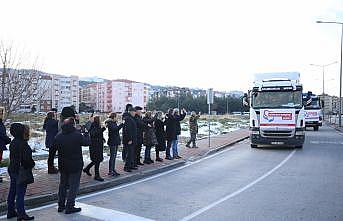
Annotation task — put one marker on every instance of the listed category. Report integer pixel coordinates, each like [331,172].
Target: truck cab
[313,111]
[276,110]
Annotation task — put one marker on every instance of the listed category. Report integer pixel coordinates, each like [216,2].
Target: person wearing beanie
[69,144]
[66,113]
[20,156]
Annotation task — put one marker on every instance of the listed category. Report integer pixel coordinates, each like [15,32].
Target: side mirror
[245,100]
[323,103]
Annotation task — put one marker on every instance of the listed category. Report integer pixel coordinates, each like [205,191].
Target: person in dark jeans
[178,117]
[130,140]
[20,156]
[113,142]
[51,127]
[69,144]
[4,139]
[140,130]
[96,149]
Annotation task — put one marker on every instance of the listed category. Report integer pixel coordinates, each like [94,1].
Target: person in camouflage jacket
[193,129]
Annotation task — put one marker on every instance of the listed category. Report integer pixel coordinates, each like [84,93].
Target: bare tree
[19,86]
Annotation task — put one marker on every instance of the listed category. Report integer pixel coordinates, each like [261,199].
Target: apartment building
[64,92]
[113,95]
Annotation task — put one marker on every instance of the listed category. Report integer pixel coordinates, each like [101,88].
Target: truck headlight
[300,133]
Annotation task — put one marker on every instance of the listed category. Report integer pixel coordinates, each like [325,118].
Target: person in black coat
[4,139]
[69,144]
[113,142]
[51,127]
[20,156]
[140,130]
[96,149]
[173,130]
[124,116]
[130,140]
[149,137]
[160,135]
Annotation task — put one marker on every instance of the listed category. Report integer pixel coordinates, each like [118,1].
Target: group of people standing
[66,136]
[157,130]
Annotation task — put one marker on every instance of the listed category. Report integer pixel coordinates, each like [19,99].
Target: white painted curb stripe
[210,206]
[99,213]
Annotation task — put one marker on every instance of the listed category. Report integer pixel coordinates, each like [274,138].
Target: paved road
[239,183]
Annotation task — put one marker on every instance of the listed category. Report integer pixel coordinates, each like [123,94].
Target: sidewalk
[334,126]
[45,187]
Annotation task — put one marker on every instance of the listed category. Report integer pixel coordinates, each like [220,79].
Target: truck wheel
[253,145]
[315,128]
[299,146]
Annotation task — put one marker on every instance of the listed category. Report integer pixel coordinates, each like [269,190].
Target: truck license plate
[277,143]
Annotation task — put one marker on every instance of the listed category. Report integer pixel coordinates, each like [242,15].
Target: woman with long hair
[160,135]
[149,138]
[96,149]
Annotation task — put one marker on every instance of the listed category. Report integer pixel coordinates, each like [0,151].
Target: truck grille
[279,134]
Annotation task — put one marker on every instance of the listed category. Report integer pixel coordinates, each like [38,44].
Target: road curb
[218,149]
[334,127]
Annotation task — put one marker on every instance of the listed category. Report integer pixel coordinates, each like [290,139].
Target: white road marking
[237,192]
[138,181]
[104,214]
[326,142]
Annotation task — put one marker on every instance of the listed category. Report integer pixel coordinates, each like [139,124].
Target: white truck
[313,111]
[277,114]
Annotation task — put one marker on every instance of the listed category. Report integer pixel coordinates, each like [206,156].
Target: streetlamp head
[319,22]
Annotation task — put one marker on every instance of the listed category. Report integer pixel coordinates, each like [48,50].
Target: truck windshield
[315,104]
[277,99]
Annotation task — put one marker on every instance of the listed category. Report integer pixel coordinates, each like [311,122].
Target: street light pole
[323,72]
[340,82]
[340,71]
[227,105]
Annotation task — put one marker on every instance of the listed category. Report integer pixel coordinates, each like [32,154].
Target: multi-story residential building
[112,96]
[44,101]
[65,91]
[89,95]
[121,91]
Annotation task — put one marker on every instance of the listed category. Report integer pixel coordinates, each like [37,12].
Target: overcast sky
[194,43]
